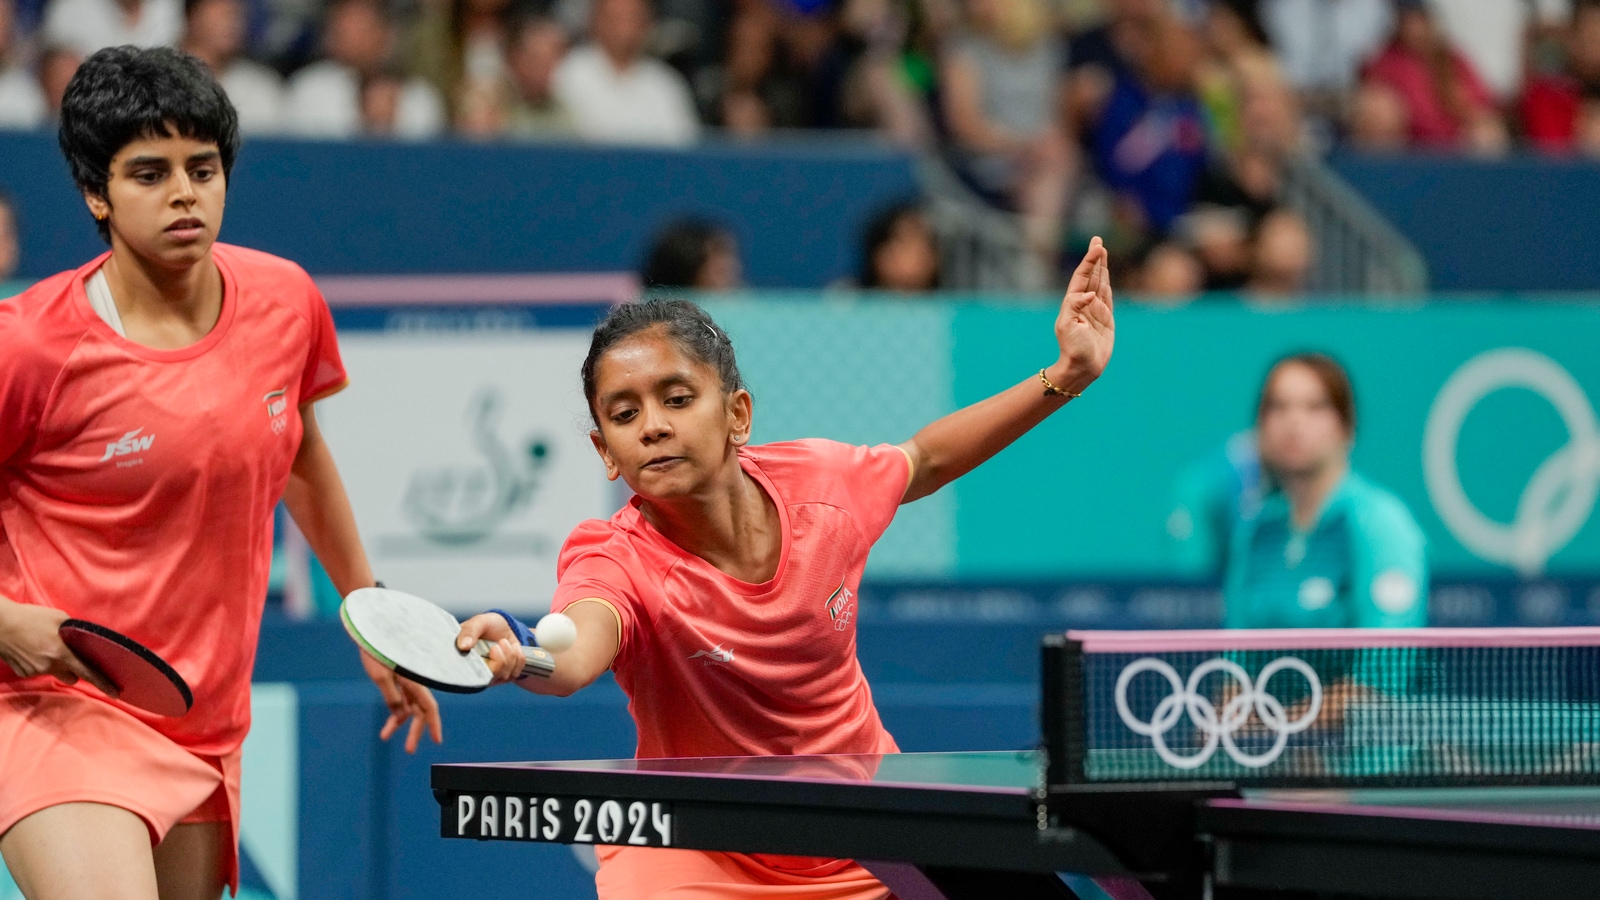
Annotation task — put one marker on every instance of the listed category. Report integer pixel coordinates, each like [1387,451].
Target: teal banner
[1478,415]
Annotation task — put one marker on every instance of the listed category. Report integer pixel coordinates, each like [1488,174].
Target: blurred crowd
[1164,124]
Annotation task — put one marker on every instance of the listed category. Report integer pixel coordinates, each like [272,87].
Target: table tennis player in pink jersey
[723,595]
[157,404]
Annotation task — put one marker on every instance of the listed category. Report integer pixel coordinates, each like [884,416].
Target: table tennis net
[1411,707]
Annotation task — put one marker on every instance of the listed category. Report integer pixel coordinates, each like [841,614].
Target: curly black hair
[122,94]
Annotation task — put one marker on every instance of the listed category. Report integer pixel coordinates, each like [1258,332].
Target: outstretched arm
[958,443]
[577,667]
[317,500]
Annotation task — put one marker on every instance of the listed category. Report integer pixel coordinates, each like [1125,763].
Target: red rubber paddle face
[145,679]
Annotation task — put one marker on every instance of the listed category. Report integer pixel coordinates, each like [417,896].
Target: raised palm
[1085,327]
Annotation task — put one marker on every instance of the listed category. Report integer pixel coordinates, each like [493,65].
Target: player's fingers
[435,724]
[471,633]
[414,736]
[497,664]
[483,626]
[389,726]
[514,658]
[424,709]
[1085,270]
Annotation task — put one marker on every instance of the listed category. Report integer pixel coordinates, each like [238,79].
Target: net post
[1061,710]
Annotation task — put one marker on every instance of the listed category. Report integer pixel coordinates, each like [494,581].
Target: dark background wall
[1528,223]
[370,207]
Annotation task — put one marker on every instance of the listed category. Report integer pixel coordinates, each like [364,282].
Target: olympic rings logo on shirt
[1252,697]
[1560,497]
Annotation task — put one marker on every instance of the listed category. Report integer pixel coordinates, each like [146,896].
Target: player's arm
[958,443]
[577,667]
[316,498]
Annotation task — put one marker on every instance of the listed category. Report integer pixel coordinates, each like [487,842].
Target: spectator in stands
[537,47]
[1001,90]
[1169,275]
[56,68]
[693,254]
[214,32]
[1447,105]
[900,251]
[482,109]
[1326,547]
[1282,256]
[328,98]
[1377,120]
[85,26]
[1098,56]
[615,92]
[1494,36]
[1220,236]
[895,79]
[1148,136]
[1249,104]
[21,101]
[380,99]
[460,46]
[1322,44]
[756,89]
[1556,106]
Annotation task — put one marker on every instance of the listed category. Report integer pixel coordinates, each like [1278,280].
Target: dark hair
[679,252]
[1335,381]
[189,6]
[880,231]
[685,323]
[1249,13]
[122,94]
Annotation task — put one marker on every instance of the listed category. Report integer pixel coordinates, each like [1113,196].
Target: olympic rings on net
[1186,698]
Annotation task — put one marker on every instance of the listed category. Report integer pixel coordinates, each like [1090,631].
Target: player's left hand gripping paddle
[417,640]
[143,679]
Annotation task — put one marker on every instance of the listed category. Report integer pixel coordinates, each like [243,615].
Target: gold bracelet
[1051,390]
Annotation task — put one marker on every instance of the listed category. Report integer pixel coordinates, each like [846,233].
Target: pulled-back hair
[689,326]
[1335,382]
[122,94]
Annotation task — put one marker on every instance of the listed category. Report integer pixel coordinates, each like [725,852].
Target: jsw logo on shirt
[129,443]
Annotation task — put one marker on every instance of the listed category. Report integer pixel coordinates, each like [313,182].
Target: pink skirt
[648,873]
[65,747]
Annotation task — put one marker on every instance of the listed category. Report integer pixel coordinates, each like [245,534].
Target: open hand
[1085,329]
[407,701]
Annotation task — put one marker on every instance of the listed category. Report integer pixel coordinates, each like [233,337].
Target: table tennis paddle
[417,640]
[143,679]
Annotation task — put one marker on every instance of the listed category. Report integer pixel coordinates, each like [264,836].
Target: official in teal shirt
[1326,548]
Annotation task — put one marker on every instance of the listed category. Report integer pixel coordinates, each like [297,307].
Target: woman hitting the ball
[722,595]
[157,403]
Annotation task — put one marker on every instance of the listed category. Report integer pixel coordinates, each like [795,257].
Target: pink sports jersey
[714,666]
[137,486]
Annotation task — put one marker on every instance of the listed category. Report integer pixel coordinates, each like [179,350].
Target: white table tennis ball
[555,632]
